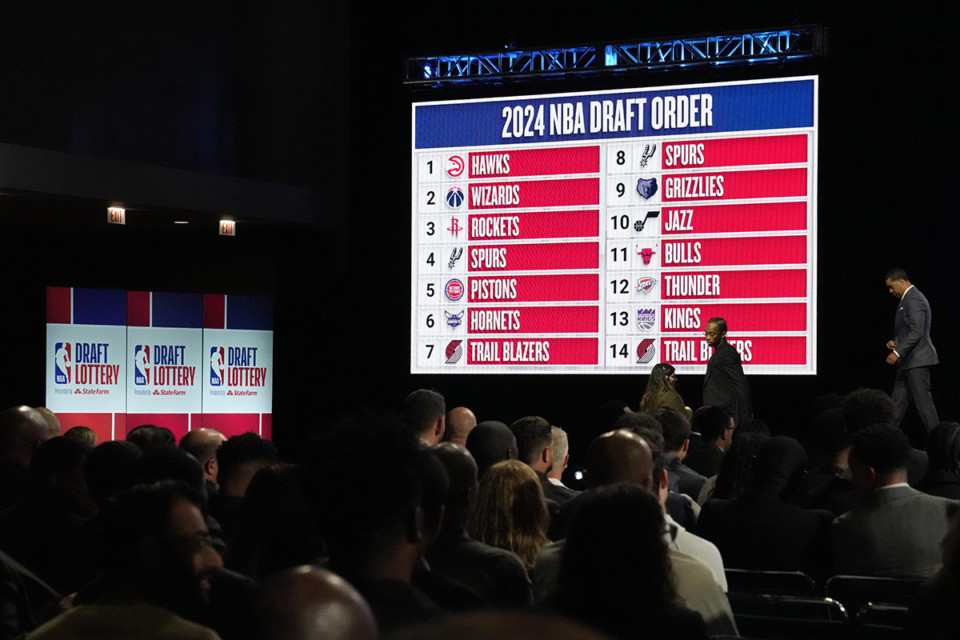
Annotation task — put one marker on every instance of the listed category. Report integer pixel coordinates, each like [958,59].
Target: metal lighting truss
[735,48]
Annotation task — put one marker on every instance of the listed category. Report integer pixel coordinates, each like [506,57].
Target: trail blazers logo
[646,350]
[454,351]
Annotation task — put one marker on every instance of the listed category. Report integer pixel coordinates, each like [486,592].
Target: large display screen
[119,359]
[599,232]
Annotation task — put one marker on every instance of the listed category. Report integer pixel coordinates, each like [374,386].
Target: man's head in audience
[460,422]
[202,444]
[491,442]
[636,420]
[22,430]
[715,425]
[109,469]
[878,458]
[158,549]
[464,482]
[310,603]
[619,456]
[238,459]
[561,453]
[676,432]
[56,474]
[54,428]
[369,476]
[867,407]
[151,438]
[424,413]
[534,442]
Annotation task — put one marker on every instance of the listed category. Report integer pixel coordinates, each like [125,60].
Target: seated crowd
[430,524]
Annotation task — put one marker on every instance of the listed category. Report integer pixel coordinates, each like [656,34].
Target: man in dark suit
[911,351]
[897,530]
[724,384]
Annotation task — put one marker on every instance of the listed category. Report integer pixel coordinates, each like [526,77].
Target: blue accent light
[737,48]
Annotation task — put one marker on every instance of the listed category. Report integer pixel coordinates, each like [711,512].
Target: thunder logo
[216,366]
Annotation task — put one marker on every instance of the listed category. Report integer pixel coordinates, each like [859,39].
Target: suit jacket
[911,330]
[724,384]
[895,533]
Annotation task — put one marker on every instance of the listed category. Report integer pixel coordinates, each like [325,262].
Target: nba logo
[216,366]
[62,360]
[455,197]
[141,365]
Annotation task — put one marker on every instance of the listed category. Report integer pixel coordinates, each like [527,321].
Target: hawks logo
[647,187]
[455,166]
[454,351]
[646,319]
[646,350]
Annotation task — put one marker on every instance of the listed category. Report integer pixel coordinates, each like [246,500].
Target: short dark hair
[886,449]
[636,420]
[676,429]
[897,273]
[533,434]
[710,422]
[720,322]
[867,407]
[238,450]
[422,408]
[151,438]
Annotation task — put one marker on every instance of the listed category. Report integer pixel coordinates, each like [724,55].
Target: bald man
[22,430]
[54,428]
[460,422]
[310,603]
[202,444]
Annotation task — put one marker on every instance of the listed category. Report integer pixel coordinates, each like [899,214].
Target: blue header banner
[691,110]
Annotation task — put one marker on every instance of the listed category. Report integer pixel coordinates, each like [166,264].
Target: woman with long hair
[661,392]
[511,512]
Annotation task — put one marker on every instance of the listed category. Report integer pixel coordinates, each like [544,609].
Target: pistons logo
[217,364]
[141,365]
[62,363]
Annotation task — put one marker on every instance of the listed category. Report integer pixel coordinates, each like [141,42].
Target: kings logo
[647,187]
[646,319]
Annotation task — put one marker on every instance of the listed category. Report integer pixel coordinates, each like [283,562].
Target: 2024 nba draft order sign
[599,232]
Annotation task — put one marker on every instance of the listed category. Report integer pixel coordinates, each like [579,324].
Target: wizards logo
[141,365]
[62,363]
[217,364]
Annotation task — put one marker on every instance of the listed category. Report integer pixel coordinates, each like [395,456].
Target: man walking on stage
[911,351]
[724,384]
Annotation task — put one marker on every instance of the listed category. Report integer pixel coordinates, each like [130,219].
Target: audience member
[511,512]
[661,392]
[676,441]
[934,614]
[491,442]
[238,459]
[764,529]
[535,447]
[108,470]
[310,603]
[203,444]
[151,438]
[159,565]
[828,485]
[22,430]
[897,529]
[54,428]
[496,574]
[424,413]
[615,572]
[460,422]
[86,434]
[561,458]
[715,426]
[871,407]
[735,469]
[943,450]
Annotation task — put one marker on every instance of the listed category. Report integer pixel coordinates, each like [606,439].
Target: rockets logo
[646,285]
[455,166]
[647,188]
[646,350]
[455,197]
[454,351]
[647,154]
[455,228]
[646,319]
[141,365]
[62,363]
[639,224]
[216,366]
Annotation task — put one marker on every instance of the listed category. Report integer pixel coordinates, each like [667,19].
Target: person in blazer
[911,350]
[724,384]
